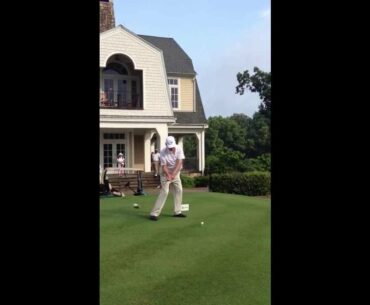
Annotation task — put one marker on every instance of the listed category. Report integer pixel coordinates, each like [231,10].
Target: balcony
[120,100]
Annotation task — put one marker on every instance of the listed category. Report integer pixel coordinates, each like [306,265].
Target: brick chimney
[107,21]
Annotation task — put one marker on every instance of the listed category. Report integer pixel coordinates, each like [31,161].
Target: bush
[250,183]
[261,164]
[187,181]
[201,181]
[213,165]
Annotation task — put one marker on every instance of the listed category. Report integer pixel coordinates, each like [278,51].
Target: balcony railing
[120,100]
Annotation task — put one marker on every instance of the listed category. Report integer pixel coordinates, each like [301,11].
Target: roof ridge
[156,36]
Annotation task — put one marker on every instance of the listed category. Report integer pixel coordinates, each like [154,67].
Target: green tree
[246,123]
[190,146]
[213,142]
[258,82]
[236,143]
[190,150]
[225,144]
[260,135]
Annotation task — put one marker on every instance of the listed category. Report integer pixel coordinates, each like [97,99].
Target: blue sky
[221,37]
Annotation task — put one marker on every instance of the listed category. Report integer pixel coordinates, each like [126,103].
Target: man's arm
[168,174]
[171,176]
[178,167]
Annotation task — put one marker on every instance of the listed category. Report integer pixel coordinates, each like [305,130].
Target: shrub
[261,164]
[201,181]
[187,181]
[249,183]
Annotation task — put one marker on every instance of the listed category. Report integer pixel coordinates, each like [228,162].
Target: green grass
[176,261]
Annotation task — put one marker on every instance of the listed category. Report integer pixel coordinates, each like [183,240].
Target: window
[108,155]
[114,136]
[115,68]
[174,92]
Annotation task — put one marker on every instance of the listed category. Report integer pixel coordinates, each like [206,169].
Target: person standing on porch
[120,164]
[156,157]
[171,158]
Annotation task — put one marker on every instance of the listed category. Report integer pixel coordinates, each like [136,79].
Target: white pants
[162,197]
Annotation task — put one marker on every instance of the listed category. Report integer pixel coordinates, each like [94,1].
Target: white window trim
[178,86]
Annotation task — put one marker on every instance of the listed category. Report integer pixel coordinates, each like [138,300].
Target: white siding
[146,58]
[187,94]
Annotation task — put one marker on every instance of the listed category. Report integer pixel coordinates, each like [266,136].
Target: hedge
[187,182]
[201,181]
[249,183]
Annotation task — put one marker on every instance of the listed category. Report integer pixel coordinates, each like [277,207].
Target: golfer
[171,158]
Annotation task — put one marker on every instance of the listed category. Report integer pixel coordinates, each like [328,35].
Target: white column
[130,154]
[203,154]
[180,142]
[162,133]
[147,160]
[199,149]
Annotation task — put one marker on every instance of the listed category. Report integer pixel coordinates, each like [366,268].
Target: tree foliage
[232,141]
[190,146]
[258,82]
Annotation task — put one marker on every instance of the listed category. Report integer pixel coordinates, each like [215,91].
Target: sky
[221,37]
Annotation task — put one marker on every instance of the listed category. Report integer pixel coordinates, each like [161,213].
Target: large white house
[148,90]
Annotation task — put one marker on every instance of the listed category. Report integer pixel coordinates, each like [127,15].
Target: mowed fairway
[177,261]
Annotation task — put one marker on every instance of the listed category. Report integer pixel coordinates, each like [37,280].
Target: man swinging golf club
[171,158]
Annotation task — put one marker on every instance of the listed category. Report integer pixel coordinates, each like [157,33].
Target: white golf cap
[120,154]
[170,142]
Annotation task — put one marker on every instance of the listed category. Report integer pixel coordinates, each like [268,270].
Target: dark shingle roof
[197,117]
[178,62]
[175,59]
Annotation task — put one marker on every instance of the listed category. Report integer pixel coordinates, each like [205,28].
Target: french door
[116,90]
[111,151]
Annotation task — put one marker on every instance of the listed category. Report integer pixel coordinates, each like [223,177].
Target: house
[148,90]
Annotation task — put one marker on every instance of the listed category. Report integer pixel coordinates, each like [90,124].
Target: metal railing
[120,100]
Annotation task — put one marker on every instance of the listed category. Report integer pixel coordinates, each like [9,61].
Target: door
[115,89]
[122,93]
[109,91]
[111,151]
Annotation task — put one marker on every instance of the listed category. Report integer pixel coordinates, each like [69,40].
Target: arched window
[115,69]
[121,84]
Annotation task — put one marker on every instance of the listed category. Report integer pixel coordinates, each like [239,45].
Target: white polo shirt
[168,158]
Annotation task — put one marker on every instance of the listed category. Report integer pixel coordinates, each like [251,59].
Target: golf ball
[202,223]
[136,205]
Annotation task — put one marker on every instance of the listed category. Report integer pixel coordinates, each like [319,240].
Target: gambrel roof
[197,117]
[176,60]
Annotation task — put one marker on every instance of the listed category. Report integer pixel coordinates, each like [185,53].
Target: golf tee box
[185,207]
